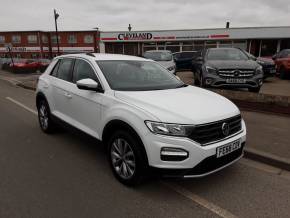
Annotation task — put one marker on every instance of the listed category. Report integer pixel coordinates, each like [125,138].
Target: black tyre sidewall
[49,129]
[140,160]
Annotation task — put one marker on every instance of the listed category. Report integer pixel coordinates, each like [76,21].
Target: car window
[55,69]
[83,70]
[64,69]
[187,55]
[285,54]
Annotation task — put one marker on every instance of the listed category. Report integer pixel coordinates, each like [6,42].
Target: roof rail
[90,54]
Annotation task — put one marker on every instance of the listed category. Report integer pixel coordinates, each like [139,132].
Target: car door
[85,105]
[61,81]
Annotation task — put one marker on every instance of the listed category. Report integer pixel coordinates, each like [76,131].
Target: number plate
[228,148]
[232,80]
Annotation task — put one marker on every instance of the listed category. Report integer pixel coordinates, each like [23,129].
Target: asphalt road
[67,175]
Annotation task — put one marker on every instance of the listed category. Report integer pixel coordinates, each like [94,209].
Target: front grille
[207,133]
[236,73]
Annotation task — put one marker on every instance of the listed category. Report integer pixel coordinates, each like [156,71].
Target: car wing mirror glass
[89,84]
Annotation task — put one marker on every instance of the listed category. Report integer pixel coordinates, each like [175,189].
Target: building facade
[41,44]
[260,41]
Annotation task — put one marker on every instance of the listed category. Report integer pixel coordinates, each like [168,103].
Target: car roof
[185,52]
[103,56]
[158,51]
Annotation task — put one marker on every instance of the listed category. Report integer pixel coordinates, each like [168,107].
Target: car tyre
[282,73]
[127,158]
[256,89]
[196,81]
[44,117]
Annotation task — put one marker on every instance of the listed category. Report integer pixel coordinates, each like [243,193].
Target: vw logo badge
[226,129]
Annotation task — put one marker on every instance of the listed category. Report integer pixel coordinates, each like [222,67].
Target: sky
[115,15]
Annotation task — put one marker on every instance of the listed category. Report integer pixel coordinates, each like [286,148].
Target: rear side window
[83,70]
[55,69]
[64,69]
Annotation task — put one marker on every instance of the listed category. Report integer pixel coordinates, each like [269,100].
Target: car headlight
[211,70]
[259,70]
[171,68]
[169,128]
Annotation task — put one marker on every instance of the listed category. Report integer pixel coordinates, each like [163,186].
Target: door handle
[67,95]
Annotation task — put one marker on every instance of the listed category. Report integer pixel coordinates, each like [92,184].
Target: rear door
[62,84]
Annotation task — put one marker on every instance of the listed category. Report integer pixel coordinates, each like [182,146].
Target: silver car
[163,57]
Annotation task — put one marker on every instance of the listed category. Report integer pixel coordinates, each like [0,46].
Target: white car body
[90,112]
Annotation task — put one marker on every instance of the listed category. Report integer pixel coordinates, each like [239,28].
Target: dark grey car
[227,67]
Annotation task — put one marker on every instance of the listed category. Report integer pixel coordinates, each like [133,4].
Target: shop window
[131,49]
[210,44]
[285,44]
[32,38]
[16,39]
[53,39]
[199,45]
[173,48]
[2,39]
[240,44]
[88,39]
[34,56]
[72,39]
[225,44]
[118,48]
[44,39]
[269,47]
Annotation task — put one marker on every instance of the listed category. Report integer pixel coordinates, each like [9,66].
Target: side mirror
[89,84]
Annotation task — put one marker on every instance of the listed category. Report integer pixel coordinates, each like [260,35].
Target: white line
[201,201]
[22,105]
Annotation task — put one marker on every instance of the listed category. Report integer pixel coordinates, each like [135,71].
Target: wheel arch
[118,124]
[40,96]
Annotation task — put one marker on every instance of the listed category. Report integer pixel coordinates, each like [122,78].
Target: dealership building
[260,41]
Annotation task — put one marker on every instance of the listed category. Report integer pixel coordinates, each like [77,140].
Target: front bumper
[200,159]
[215,80]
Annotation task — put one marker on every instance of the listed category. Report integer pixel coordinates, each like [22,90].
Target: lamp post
[56,15]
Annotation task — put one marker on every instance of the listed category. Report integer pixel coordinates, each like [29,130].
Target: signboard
[19,49]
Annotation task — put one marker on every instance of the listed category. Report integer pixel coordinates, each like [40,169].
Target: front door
[86,105]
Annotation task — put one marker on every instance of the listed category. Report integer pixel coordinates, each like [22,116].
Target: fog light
[208,81]
[173,154]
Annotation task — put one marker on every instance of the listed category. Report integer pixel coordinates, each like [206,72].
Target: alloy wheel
[43,116]
[123,158]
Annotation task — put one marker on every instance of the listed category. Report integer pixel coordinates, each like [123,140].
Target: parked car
[183,60]
[29,65]
[269,67]
[163,57]
[282,61]
[227,67]
[144,115]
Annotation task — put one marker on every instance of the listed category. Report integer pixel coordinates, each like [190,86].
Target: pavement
[67,175]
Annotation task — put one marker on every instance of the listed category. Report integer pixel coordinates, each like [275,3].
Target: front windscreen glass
[226,54]
[158,56]
[126,75]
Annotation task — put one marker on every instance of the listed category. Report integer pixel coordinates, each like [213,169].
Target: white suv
[147,118]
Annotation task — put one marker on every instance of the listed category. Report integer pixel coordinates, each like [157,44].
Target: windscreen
[137,75]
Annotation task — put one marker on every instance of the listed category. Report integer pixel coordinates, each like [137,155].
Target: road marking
[22,105]
[199,200]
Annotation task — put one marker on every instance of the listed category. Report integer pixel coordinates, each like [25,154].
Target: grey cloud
[150,14]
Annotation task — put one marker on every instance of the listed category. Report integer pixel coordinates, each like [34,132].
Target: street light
[56,15]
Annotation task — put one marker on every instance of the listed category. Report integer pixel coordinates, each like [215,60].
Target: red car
[28,66]
[282,61]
